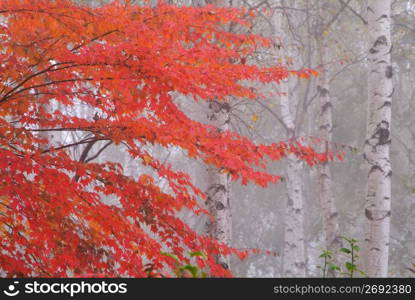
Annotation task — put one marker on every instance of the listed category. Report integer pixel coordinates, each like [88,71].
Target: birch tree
[218,185]
[378,138]
[325,128]
[294,249]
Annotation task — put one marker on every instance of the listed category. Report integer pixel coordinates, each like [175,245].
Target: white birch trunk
[293,263]
[378,138]
[218,185]
[294,249]
[217,191]
[329,212]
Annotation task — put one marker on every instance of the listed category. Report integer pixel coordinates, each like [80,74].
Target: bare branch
[99,152]
[354,11]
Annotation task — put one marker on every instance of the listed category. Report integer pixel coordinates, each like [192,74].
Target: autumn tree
[122,61]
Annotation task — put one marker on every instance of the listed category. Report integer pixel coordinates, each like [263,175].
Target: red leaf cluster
[122,62]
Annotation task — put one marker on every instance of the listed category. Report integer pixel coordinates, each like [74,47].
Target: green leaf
[171,255]
[325,254]
[347,239]
[350,266]
[345,250]
[356,247]
[334,267]
[192,269]
[198,254]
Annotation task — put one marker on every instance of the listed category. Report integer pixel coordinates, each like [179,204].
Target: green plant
[188,270]
[351,251]
[327,265]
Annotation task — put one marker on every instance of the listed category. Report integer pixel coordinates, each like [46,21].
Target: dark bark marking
[219,205]
[368,214]
[225,266]
[326,106]
[386,104]
[325,127]
[382,133]
[322,91]
[382,17]
[380,41]
[217,188]
[333,215]
[389,72]
[374,168]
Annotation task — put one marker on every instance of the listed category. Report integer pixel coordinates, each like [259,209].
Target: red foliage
[122,61]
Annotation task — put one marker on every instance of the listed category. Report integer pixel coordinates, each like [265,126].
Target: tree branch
[354,11]
[273,114]
[99,152]
[75,144]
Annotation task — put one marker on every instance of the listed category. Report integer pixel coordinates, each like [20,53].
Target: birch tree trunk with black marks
[217,192]
[293,263]
[294,250]
[325,127]
[378,139]
[218,186]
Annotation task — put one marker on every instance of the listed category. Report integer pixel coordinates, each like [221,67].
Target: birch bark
[293,263]
[378,138]
[325,127]
[218,185]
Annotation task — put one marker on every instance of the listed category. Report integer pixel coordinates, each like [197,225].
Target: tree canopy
[123,62]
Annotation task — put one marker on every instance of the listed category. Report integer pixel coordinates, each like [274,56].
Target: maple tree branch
[64,81]
[99,152]
[86,150]
[84,155]
[11,227]
[74,144]
[5,205]
[61,129]
[28,78]
[259,250]
[14,11]
[10,93]
[47,84]
[94,39]
[40,267]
